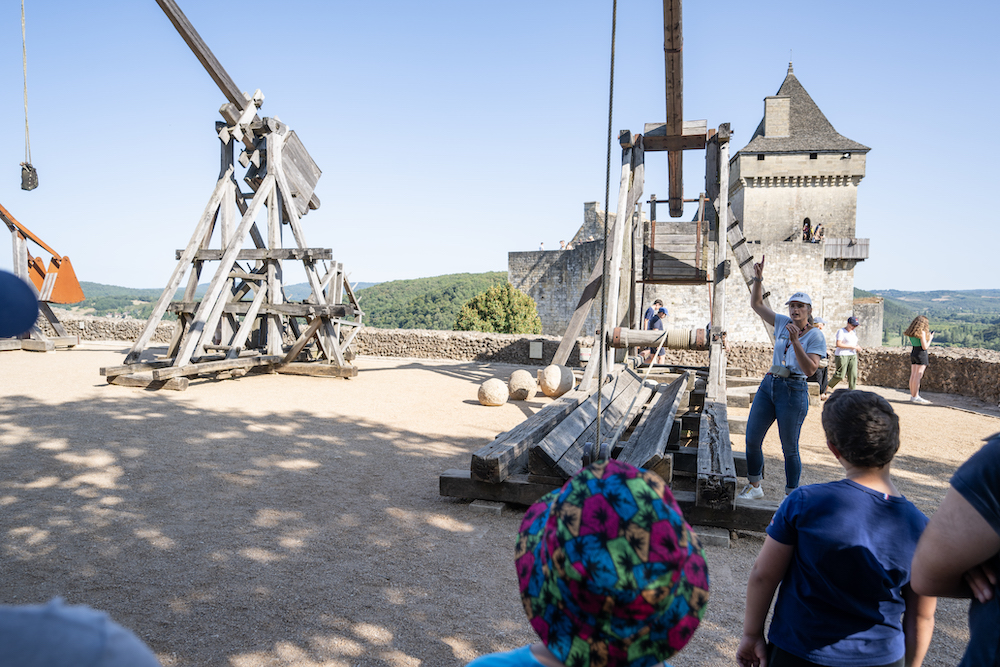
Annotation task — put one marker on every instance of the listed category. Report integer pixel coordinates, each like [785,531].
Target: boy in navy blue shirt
[842,552]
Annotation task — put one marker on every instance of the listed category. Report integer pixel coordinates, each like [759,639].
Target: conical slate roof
[808,129]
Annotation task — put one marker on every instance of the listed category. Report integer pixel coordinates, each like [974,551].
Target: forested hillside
[424,303]
[967,318]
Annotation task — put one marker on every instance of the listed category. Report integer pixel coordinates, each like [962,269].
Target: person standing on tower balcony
[846,355]
[807,233]
[783,395]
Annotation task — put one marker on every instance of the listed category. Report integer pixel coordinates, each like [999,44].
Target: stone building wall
[774,195]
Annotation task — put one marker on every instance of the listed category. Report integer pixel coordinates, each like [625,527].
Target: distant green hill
[424,303]
[965,318]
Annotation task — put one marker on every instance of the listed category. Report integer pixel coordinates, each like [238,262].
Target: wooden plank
[624,389]
[255,254]
[32,345]
[46,310]
[518,489]
[147,382]
[292,309]
[716,484]
[694,135]
[653,438]
[752,515]
[301,171]
[65,341]
[551,449]
[213,366]
[508,453]
[240,339]
[686,460]
[301,341]
[318,369]
[10,344]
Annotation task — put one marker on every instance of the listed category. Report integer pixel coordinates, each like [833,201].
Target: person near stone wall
[846,355]
[822,374]
[807,233]
[656,324]
[783,395]
[920,335]
[647,317]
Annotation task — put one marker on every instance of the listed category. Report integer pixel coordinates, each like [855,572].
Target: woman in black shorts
[920,338]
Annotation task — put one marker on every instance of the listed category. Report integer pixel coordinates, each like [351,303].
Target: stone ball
[493,392]
[522,385]
[556,380]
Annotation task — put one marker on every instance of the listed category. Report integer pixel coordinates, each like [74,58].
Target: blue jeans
[785,400]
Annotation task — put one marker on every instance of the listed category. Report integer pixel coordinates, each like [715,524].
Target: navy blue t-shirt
[978,480]
[841,601]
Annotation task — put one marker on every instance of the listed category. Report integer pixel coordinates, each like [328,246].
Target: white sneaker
[920,400]
[751,492]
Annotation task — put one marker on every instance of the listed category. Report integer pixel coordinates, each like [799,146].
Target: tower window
[760,156]
[812,156]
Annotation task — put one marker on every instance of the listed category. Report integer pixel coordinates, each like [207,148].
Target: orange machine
[55,284]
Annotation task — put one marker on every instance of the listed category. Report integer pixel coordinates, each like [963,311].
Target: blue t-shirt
[841,601]
[978,480]
[519,657]
[58,635]
[813,342]
[650,316]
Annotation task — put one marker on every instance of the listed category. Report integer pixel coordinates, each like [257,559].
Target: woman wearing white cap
[783,395]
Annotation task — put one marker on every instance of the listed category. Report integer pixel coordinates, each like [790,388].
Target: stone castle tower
[795,167]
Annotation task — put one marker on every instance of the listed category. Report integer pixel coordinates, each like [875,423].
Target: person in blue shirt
[783,395]
[842,554]
[959,553]
[650,315]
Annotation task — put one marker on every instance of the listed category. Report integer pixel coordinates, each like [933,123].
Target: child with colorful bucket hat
[610,573]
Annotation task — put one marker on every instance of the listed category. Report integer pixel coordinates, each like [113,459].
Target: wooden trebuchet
[244,313]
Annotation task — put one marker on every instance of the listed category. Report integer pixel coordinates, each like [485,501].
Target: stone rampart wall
[966,372]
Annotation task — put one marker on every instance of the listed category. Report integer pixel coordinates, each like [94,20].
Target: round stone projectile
[522,385]
[493,392]
[556,380]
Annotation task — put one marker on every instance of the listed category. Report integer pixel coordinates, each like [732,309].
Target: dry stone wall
[966,372]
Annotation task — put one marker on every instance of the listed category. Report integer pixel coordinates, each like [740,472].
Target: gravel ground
[295,521]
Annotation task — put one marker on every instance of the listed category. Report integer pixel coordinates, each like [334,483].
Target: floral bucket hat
[610,573]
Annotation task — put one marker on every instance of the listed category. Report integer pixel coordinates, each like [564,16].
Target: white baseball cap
[801,297]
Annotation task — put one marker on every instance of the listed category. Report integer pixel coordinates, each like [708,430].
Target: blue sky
[453,132]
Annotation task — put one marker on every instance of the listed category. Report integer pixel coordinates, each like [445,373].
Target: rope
[24,53]
[607,190]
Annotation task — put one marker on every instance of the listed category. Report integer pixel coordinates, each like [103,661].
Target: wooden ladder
[738,242]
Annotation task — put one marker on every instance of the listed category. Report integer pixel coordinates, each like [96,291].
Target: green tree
[500,309]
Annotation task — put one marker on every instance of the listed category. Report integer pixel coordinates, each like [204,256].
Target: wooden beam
[291,309]
[301,341]
[508,453]
[716,484]
[693,136]
[519,489]
[146,382]
[214,366]
[746,515]
[203,53]
[254,254]
[652,435]
[318,369]
[673,46]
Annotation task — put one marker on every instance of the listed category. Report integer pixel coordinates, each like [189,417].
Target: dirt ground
[295,521]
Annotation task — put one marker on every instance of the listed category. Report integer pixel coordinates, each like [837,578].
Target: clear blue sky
[452,132]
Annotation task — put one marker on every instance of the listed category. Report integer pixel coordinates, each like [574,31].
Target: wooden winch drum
[677,339]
